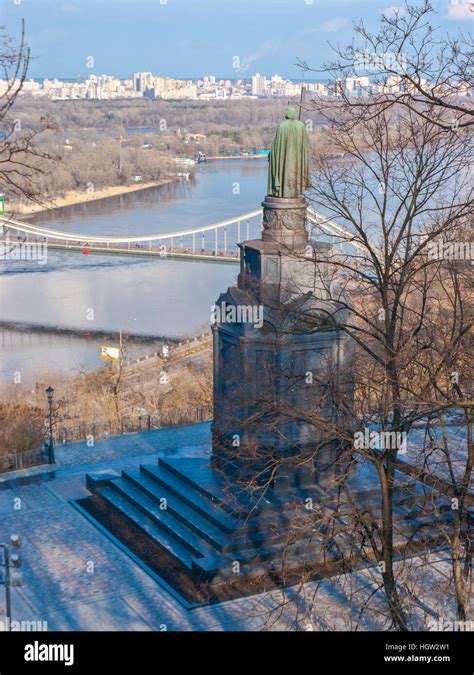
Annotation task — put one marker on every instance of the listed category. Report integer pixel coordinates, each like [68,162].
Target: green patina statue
[289,171]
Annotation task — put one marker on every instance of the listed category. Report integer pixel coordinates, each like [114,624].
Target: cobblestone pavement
[75,578]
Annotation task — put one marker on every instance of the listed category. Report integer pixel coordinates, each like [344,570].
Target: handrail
[71,236]
[316,218]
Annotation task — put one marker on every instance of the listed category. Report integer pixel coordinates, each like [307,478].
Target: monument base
[277,357]
[284,222]
[212,540]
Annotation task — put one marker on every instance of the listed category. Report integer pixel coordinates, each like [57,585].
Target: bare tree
[16,436]
[410,64]
[397,190]
[401,188]
[21,157]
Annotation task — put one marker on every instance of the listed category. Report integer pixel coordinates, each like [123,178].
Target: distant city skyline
[189,39]
[151,86]
[147,84]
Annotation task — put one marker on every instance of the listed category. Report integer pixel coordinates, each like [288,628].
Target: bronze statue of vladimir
[289,171]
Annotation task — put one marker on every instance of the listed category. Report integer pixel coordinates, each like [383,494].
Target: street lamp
[12,576]
[49,394]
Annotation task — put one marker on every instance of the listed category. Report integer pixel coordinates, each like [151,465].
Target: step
[162,518]
[216,494]
[201,525]
[256,540]
[278,549]
[195,500]
[148,527]
[262,560]
[208,509]
[431,520]
[270,528]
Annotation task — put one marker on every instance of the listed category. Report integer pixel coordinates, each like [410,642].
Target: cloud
[461,10]
[334,25]
[70,9]
[391,11]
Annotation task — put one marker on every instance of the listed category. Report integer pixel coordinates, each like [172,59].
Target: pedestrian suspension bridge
[216,242]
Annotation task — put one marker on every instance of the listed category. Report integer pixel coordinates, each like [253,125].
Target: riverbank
[71,331]
[219,157]
[111,397]
[150,296]
[75,197]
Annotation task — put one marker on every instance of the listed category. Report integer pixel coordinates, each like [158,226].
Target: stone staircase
[188,510]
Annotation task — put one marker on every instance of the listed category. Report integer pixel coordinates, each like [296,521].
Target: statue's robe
[289,171]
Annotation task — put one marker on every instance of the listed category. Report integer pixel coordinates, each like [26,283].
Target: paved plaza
[75,578]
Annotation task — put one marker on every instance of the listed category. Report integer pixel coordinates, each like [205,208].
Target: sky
[193,38]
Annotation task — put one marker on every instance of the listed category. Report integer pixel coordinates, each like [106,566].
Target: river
[89,293]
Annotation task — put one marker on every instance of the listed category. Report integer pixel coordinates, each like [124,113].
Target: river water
[87,293]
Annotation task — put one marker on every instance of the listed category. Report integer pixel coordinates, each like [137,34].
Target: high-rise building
[259,85]
[142,82]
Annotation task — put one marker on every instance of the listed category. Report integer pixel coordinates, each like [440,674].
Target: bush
[21,428]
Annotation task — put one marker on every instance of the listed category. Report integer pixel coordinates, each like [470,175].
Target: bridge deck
[203,256]
[185,245]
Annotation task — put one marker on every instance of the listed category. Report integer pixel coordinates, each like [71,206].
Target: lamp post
[11,577]
[49,394]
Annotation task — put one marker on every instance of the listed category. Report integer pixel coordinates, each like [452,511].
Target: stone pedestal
[281,328]
[284,222]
